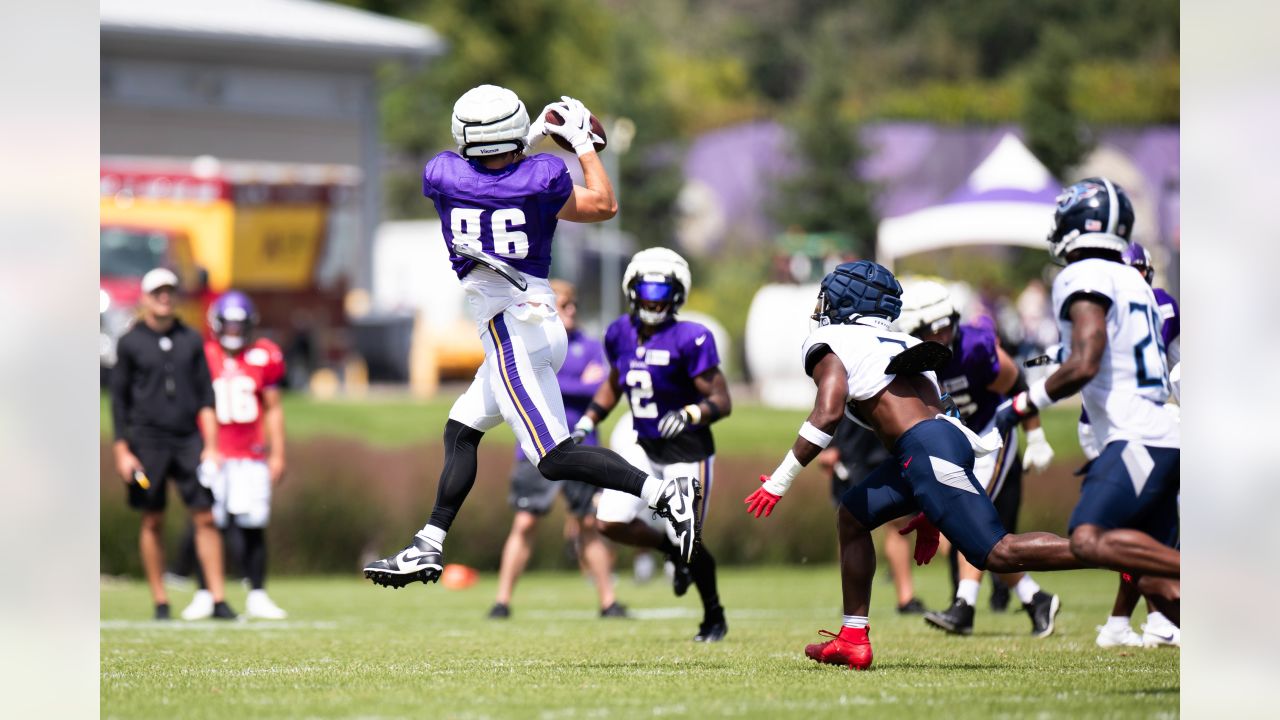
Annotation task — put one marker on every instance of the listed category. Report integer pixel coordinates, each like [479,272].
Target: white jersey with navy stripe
[865,351]
[1126,400]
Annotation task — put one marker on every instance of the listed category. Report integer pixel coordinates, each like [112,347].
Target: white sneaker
[201,606]
[259,605]
[1158,631]
[1109,637]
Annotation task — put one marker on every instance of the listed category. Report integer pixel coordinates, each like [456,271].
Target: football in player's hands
[598,138]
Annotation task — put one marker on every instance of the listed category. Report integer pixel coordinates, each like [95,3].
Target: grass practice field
[397,421]
[350,649]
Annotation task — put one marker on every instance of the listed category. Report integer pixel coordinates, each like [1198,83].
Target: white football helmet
[489,120]
[656,275]
[926,307]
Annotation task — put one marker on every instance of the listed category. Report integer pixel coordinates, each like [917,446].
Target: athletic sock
[1156,620]
[967,591]
[855,622]
[1026,589]
[703,570]
[1118,622]
[432,535]
[651,490]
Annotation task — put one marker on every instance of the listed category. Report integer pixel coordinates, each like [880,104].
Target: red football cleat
[852,647]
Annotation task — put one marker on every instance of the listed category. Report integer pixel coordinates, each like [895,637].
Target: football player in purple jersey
[498,209]
[584,369]
[669,371]
[1157,630]
[979,376]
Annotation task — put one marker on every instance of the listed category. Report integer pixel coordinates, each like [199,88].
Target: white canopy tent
[1007,200]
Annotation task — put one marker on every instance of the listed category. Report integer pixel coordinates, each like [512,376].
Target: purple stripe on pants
[534,423]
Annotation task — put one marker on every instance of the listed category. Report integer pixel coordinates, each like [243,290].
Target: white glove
[582,429]
[577,125]
[538,128]
[1038,454]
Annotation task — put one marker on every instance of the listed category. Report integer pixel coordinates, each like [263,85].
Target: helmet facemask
[655,298]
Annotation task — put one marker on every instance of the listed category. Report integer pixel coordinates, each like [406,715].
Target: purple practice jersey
[1171,328]
[973,367]
[508,213]
[585,368]
[657,374]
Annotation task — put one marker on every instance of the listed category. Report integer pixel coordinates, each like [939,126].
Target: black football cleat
[162,611]
[713,627]
[223,611]
[957,619]
[419,562]
[616,610]
[1043,608]
[499,611]
[680,502]
[912,607]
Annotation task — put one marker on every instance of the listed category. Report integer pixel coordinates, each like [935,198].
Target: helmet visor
[660,292]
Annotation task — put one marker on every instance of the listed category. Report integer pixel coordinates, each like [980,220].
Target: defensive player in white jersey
[498,209]
[1127,516]
[887,381]
[1157,631]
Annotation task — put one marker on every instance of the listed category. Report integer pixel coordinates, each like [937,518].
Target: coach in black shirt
[162,405]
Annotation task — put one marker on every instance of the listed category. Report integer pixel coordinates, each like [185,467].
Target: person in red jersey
[246,373]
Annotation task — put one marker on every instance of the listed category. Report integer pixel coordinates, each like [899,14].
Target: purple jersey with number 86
[508,213]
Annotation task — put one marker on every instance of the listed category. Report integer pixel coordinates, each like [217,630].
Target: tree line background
[1059,68]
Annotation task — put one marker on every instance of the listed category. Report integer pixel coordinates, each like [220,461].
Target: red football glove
[762,501]
[926,538]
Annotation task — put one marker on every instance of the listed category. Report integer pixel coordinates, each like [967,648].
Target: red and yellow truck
[287,235]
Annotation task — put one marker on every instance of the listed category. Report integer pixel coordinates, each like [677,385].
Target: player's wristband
[810,432]
[694,412]
[781,478]
[585,146]
[598,409]
[1039,396]
[714,412]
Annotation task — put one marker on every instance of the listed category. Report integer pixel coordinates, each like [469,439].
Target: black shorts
[169,459]
[533,493]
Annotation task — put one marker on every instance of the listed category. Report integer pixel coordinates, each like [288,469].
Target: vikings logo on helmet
[1137,257]
[232,317]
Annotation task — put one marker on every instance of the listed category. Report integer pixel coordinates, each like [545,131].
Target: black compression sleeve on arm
[459,473]
[592,465]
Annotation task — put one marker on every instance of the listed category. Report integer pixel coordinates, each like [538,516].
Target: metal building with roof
[284,81]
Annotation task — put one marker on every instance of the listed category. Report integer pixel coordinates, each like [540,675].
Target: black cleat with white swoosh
[680,502]
[420,562]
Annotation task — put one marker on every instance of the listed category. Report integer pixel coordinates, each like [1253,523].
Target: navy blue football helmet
[1093,213]
[858,289]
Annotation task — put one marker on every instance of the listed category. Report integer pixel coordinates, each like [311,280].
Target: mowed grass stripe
[352,650]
